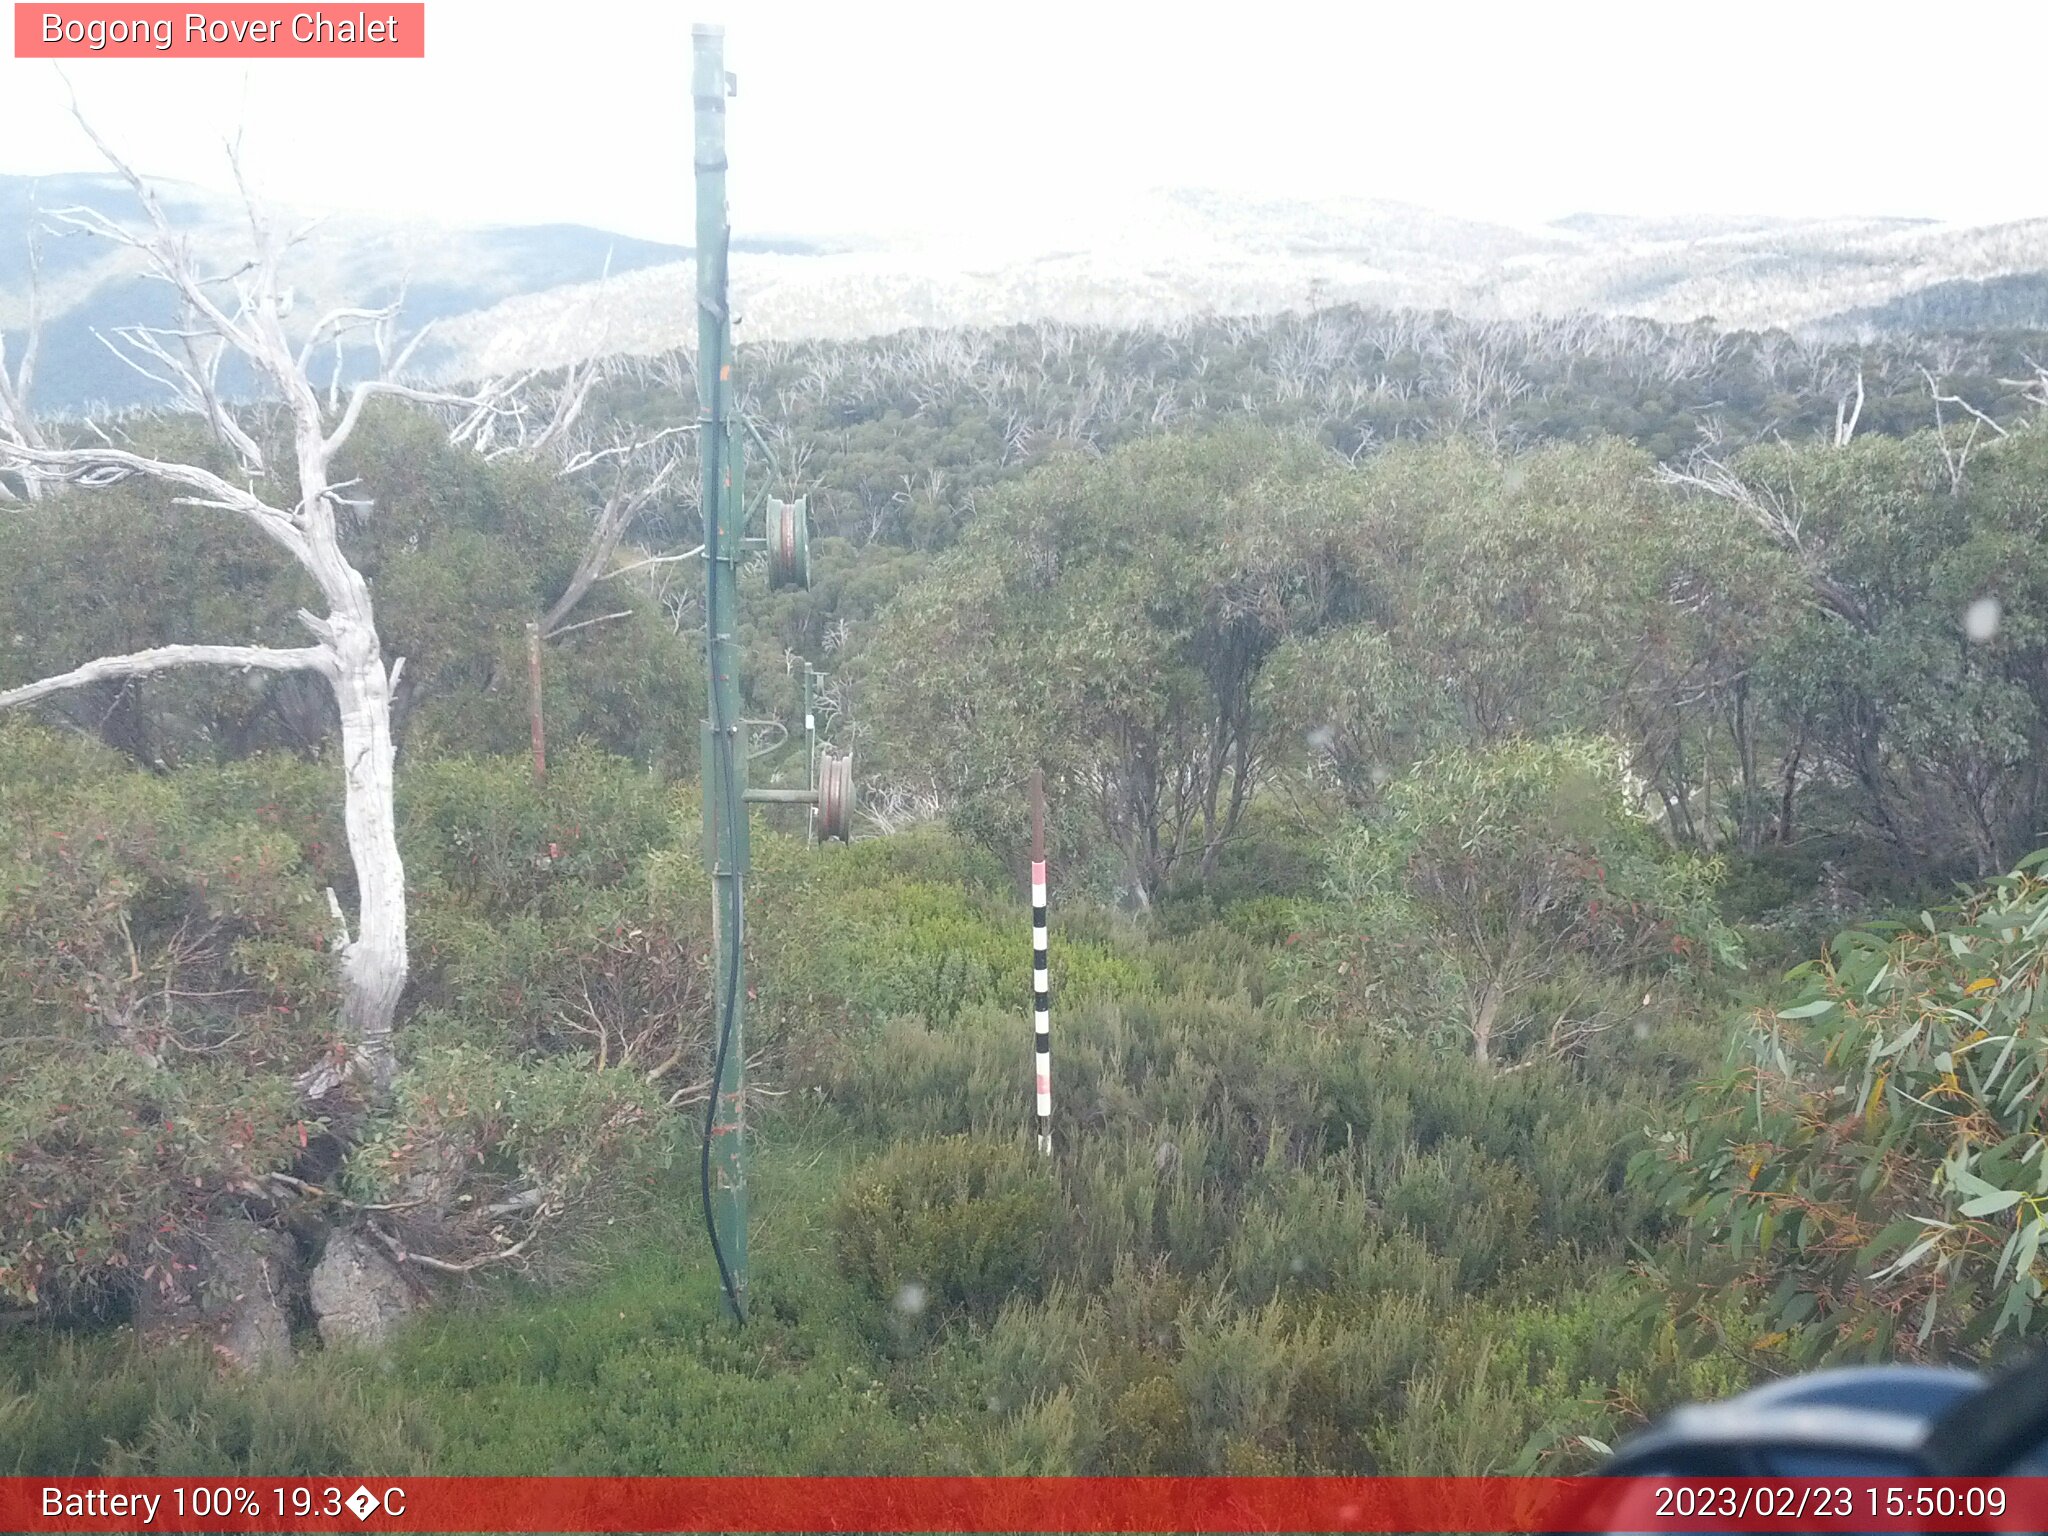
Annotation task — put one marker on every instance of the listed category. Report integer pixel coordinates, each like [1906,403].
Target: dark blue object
[1869,1421]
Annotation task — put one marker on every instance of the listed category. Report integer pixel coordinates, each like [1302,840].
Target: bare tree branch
[1956,455]
[629,497]
[98,467]
[16,424]
[640,565]
[1940,399]
[163,658]
[603,618]
[487,403]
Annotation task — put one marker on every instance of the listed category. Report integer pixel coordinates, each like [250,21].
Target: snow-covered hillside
[522,297]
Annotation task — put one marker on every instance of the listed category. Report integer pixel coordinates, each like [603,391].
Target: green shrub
[1479,1213]
[1500,872]
[482,1151]
[623,978]
[949,1228]
[1869,1166]
[163,976]
[483,831]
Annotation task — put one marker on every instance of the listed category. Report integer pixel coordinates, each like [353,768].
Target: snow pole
[1041,986]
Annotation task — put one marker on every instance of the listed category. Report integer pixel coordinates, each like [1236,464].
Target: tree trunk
[374,968]
[533,703]
[1483,1018]
[1219,747]
[1788,801]
[1240,761]
[1750,814]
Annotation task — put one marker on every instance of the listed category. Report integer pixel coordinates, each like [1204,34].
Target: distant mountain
[91,284]
[2017,301]
[506,298]
[1179,253]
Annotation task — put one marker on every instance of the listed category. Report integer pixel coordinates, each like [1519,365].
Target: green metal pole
[724,756]
[810,754]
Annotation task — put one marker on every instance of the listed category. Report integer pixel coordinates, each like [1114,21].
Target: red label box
[379,30]
[1190,1505]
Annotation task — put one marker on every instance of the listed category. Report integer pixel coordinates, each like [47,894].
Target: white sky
[892,115]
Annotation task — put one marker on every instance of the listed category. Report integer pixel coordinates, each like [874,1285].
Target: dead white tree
[2035,389]
[1955,451]
[641,471]
[244,312]
[897,806]
[1847,414]
[17,425]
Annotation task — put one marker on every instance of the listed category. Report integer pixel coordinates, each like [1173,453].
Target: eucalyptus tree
[1911,667]
[1109,620]
[1497,876]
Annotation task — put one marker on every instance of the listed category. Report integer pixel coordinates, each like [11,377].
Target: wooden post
[540,735]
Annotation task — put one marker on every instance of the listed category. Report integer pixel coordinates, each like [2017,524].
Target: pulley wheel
[789,543]
[835,797]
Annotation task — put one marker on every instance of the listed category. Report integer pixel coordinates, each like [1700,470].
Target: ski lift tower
[723,758]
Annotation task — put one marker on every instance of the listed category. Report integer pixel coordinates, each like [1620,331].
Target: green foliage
[912,925]
[1938,730]
[1360,706]
[634,1373]
[1872,1162]
[481,830]
[1501,880]
[461,554]
[165,976]
[1528,583]
[117,570]
[476,1136]
[1259,1249]
[161,978]
[1362,739]
[112,1407]
[1109,619]
[951,1227]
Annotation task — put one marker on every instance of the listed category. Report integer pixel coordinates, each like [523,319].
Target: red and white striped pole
[1041,985]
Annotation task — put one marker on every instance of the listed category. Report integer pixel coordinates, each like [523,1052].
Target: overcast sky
[890,116]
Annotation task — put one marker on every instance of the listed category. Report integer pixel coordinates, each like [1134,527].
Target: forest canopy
[1452,733]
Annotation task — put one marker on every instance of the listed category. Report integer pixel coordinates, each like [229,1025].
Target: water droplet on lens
[1980,619]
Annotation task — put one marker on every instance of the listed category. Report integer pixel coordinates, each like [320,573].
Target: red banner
[1050,1504]
[235,31]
